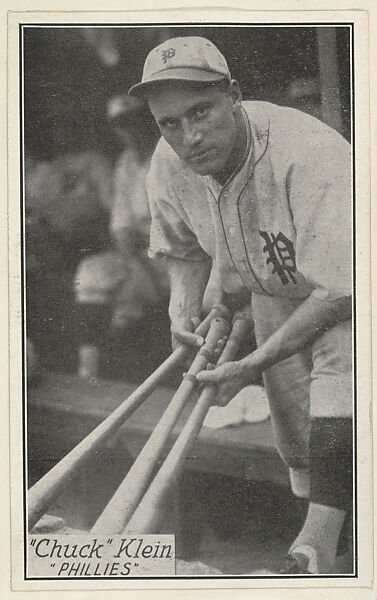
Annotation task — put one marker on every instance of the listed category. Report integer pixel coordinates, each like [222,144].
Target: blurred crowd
[87,228]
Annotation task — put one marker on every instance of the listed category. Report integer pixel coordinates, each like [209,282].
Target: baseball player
[263,193]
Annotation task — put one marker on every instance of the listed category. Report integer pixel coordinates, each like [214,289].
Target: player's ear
[236,94]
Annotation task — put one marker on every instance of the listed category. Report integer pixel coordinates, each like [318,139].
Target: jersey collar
[256,146]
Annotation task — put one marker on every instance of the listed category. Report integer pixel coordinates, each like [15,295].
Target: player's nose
[192,136]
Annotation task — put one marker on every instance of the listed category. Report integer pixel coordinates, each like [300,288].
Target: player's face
[200,124]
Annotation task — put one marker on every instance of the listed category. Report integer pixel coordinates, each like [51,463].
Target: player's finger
[210,376]
[186,337]
[221,343]
[195,321]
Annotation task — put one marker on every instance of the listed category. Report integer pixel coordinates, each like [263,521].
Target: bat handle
[217,310]
[219,328]
[242,325]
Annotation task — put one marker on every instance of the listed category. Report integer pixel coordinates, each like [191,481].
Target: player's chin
[206,167]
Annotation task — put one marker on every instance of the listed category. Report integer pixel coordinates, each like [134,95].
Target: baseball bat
[128,495]
[41,495]
[150,512]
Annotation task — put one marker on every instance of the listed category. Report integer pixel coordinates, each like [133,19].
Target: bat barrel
[43,493]
[125,500]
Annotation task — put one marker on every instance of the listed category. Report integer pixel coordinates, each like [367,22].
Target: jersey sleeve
[320,195]
[170,233]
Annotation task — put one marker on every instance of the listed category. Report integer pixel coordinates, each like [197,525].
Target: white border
[363,224]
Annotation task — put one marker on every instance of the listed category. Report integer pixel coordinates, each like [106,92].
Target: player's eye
[170,124]
[201,112]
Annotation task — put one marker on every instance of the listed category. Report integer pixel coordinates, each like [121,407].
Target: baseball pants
[315,382]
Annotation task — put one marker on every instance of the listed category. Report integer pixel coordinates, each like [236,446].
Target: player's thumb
[211,376]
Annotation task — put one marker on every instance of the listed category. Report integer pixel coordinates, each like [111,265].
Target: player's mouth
[199,156]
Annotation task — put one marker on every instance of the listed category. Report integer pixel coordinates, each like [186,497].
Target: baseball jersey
[281,225]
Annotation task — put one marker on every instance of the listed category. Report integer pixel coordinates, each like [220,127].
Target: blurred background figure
[66,216]
[147,282]
[114,287]
[305,94]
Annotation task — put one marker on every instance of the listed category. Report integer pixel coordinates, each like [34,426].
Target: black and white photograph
[189,317]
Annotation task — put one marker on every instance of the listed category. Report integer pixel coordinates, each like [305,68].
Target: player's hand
[230,378]
[182,332]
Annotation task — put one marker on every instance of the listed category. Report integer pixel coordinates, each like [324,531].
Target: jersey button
[232,230]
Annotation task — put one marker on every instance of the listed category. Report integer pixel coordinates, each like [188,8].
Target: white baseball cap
[183,58]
